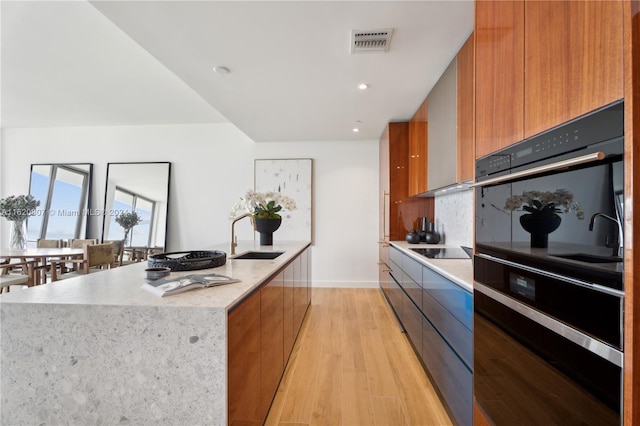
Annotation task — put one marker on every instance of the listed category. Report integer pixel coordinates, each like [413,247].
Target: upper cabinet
[499,58]
[418,151]
[542,63]
[573,60]
[441,132]
[465,121]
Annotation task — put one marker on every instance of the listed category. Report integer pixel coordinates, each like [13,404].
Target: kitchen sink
[590,258]
[268,255]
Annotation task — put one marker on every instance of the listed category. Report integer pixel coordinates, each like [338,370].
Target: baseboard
[345,284]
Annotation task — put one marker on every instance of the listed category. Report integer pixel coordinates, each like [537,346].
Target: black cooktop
[442,253]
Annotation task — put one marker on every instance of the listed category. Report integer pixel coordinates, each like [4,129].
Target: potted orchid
[17,208]
[265,208]
[542,209]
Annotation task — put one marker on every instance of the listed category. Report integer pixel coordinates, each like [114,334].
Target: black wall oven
[548,276]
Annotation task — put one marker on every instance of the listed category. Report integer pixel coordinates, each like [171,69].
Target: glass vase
[18,235]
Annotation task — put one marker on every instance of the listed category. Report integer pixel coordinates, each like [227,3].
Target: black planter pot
[266,228]
[540,226]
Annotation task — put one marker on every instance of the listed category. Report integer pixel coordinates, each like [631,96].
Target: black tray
[188,260]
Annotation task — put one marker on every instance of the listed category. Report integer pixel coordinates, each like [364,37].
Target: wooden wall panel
[573,60]
[466,101]
[631,413]
[499,32]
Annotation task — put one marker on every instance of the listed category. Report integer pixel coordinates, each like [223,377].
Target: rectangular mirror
[142,188]
[64,191]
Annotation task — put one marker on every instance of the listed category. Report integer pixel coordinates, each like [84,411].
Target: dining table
[41,255]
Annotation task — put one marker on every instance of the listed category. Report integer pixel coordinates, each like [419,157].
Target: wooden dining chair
[118,251]
[96,257]
[44,243]
[18,273]
[79,243]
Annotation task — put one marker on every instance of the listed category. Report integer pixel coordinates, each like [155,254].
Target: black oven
[548,276]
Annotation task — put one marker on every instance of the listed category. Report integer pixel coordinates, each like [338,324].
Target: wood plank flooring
[351,365]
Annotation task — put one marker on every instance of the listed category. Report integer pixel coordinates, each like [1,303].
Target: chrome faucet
[234,239]
[618,250]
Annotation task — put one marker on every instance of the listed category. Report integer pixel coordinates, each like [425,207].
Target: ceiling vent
[371,41]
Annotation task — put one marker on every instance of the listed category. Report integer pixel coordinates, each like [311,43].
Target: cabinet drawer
[454,298]
[395,270]
[455,333]
[412,288]
[413,268]
[412,320]
[395,297]
[396,256]
[453,378]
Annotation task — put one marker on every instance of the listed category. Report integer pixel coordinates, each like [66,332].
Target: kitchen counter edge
[460,271]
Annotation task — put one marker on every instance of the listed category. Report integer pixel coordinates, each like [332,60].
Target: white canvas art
[293,178]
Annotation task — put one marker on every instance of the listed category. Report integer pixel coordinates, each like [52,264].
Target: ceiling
[291,74]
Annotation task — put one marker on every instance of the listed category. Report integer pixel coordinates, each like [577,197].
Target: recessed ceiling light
[355,130]
[363,86]
[221,70]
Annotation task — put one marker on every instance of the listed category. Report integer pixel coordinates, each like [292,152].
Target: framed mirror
[142,188]
[64,192]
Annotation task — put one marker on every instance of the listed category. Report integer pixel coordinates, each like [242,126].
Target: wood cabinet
[442,154]
[542,63]
[465,117]
[399,213]
[418,153]
[261,333]
[499,82]
[573,60]
[244,362]
[271,339]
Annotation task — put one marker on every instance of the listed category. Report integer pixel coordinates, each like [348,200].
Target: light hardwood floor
[351,365]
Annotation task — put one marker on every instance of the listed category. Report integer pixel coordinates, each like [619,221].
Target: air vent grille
[371,41]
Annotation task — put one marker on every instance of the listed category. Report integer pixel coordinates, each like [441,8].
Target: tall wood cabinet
[398,211]
[542,63]
[418,153]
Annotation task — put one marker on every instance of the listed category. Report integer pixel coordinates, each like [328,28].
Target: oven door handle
[588,158]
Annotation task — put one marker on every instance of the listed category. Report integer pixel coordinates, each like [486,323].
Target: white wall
[212,167]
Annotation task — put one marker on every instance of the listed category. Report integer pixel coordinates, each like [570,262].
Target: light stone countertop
[123,286]
[98,349]
[460,271]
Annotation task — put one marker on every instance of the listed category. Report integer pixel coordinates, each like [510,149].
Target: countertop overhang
[122,286]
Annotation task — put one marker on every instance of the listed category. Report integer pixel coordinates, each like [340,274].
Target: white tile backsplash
[454,218]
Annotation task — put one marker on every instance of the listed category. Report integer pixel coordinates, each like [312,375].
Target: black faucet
[618,248]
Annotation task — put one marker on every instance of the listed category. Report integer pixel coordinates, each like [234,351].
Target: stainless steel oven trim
[589,343]
[569,280]
[595,156]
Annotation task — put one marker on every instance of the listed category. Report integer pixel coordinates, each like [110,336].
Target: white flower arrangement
[263,205]
[538,202]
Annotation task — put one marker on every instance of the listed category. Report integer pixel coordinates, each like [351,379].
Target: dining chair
[96,257]
[118,251]
[44,243]
[79,243]
[23,274]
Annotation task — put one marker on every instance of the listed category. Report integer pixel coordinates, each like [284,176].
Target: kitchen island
[98,349]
